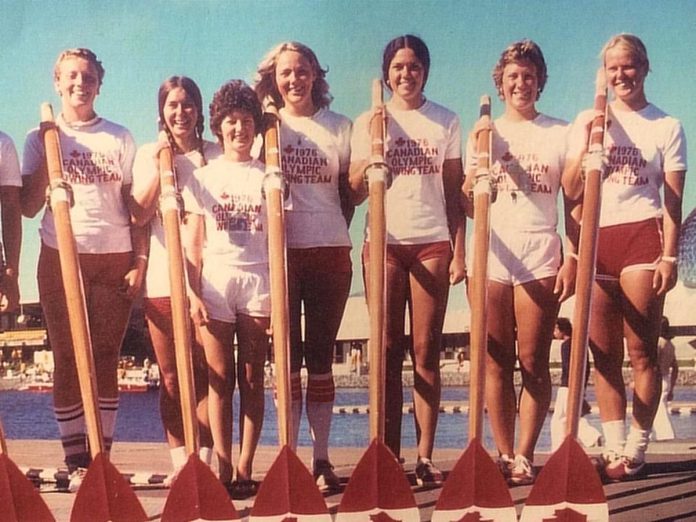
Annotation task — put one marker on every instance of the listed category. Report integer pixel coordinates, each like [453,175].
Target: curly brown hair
[234,95]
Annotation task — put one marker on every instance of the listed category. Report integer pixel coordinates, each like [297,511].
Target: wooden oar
[569,485]
[378,486]
[19,499]
[475,487]
[104,494]
[687,251]
[196,493]
[288,491]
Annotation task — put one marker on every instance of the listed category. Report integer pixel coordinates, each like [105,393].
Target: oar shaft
[479,281]
[181,325]
[3,443]
[587,256]
[279,277]
[72,282]
[376,176]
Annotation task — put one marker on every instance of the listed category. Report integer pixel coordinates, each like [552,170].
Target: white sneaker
[522,471]
[171,477]
[76,478]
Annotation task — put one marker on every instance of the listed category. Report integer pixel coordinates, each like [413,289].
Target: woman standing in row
[525,285]
[425,235]
[180,108]
[315,145]
[228,273]
[11,212]
[97,160]
[637,247]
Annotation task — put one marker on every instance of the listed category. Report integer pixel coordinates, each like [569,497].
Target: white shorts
[232,290]
[521,257]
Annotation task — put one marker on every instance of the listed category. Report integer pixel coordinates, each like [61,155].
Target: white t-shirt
[527,163]
[146,172]
[418,142]
[641,146]
[10,175]
[228,195]
[97,160]
[315,150]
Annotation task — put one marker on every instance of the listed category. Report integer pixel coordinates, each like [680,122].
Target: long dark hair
[192,91]
[407,41]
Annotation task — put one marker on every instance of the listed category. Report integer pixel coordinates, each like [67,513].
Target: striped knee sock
[73,438]
[320,399]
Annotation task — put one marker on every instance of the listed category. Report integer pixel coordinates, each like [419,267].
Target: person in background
[645,167]
[11,214]
[98,157]
[425,236]
[315,155]
[180,109]
[227,252]
[528,275]
[587,434]
[669,371]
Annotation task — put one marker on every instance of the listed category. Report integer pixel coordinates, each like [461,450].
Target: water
[29,415]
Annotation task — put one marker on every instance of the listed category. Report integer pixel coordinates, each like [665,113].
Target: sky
[142,43]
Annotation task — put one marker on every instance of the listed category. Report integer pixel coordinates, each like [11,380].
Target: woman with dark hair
[227,252]
[98,157]
[526,281]
[425,235]
[316,154]
[637,247]
[180,108]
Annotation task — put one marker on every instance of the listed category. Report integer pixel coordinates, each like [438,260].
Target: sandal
[242,489]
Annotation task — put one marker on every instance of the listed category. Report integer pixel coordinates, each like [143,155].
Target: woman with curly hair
[227,252]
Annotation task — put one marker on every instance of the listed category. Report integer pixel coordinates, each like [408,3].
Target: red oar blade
[197,494]
[19,498]
[475,488]
[378,489]
[568,488]
[105,495]
[289,492]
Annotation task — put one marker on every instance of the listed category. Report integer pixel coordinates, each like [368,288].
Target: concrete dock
[668,492]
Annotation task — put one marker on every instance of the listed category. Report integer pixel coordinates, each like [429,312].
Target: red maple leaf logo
[566,515]
[75,154]
[288,149]
[400,141]
[224,195]
[507,156]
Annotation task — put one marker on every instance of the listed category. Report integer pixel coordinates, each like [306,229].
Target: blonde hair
[265,84]
[633,44]
[79,52]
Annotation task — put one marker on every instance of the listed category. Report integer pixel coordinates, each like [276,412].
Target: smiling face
[238,131]
[625,76]
[520,87]
[180,116]
[77,83]
[294,77]
[406,77]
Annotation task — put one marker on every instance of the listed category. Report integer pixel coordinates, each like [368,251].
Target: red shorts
[628,247]
[406,256]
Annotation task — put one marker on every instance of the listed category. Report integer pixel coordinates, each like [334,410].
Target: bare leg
[218,338]
[253,344]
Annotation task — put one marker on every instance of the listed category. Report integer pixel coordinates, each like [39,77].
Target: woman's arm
[452,178]
[11,240]
[666,273]
[193,236]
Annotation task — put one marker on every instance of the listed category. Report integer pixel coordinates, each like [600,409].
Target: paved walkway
[668,493]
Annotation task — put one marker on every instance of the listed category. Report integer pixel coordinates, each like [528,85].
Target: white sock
[636,443]
[108,408]
[614,436]
[206,455]
[320,400]
[296,407]
[178,456]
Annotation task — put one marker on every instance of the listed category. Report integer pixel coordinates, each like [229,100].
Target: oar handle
[479,281]
[61,198]
[376,174]
[3,443]
[587,256]
[274,189]
[181,324]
